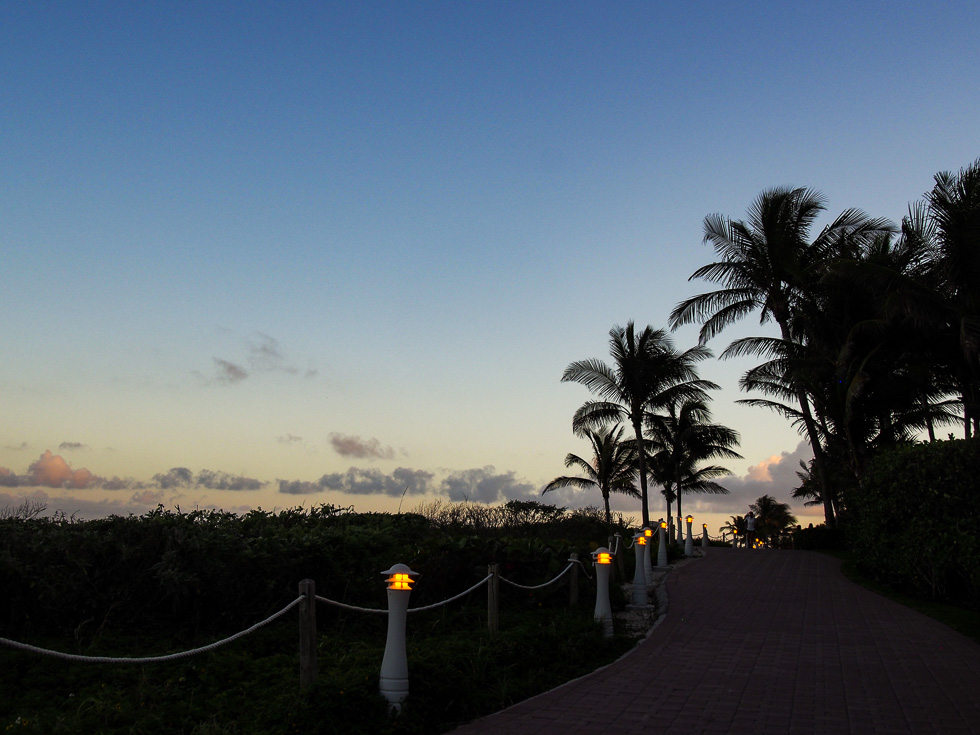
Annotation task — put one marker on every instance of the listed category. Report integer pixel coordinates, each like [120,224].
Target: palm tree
[735,526]
[612,469]
[647,371]
[768,264]
[681,438]
[772,517]
[952,232]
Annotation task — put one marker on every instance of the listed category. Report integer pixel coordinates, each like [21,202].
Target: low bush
[915,520]
[169,581]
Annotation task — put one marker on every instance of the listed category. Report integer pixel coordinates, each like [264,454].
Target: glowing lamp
[663,524]
[400,582]
[603,610]
[690,518]
[648,532]
[393,682]
[641,540]
[400,577]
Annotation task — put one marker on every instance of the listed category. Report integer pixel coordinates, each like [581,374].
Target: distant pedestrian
[749,530]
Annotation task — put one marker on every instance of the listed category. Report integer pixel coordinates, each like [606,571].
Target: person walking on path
[749,530]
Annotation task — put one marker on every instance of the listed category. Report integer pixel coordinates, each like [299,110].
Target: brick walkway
[769,642]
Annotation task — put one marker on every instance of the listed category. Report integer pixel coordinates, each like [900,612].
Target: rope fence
[539,586]
[308,623]
[148,659]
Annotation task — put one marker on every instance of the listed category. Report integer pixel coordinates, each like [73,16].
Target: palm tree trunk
[813,435]
[641,461]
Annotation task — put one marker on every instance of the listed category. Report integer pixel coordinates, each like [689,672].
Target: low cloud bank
[480,485]
[53,471]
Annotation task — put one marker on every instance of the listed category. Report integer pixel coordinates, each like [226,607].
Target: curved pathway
[769,642]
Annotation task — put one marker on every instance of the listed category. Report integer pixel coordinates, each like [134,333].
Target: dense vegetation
[879,326]
[915,520]
[168,581]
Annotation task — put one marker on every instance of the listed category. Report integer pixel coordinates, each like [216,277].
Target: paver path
[769,642]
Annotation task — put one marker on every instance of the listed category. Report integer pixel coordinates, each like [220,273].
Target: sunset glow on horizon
[266,256]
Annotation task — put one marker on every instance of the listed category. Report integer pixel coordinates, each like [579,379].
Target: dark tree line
[879,325]
[878,344]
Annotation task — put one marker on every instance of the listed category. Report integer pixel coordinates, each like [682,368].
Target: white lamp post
[662,553]
[603,610]
[394,666]
[647,552]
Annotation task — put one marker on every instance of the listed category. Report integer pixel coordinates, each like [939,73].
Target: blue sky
[344,249]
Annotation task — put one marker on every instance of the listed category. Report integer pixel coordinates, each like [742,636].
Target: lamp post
[662,553]
[394,665]
[689,542]
[704,535]
[603,610]
[647,552]
[640,578]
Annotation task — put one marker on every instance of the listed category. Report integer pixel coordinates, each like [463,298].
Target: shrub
[916,517]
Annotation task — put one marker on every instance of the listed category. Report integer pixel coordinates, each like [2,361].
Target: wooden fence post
[573,580]
[493,600]
[620,569]
[307,634]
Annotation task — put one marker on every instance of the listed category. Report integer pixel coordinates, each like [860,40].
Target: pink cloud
[761,472]
[51,470]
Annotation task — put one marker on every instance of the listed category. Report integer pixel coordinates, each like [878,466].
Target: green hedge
[916,520]
[211,572]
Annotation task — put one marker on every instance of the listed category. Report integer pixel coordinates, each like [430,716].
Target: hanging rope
[585,569]
[538,586]
[451,599]
[147,659]
[411,609]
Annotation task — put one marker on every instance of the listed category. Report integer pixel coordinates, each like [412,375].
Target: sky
[264,255]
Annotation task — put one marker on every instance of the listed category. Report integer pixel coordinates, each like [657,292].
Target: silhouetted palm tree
[950,225]
[768,264]
[681,438]
[647,372]
[613,468]
[772,517]
[735,526]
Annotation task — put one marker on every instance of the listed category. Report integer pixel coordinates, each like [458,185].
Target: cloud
[298,487]
[485,485]
[8,478]
[354,446]
[181,477]
[289,439]
[229,372]
[265,355]
[51,470]
[175,477]
[121,483]
[224,481]
[17,447]
[71,445]
[364,481]
[148,497]
[775,476]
